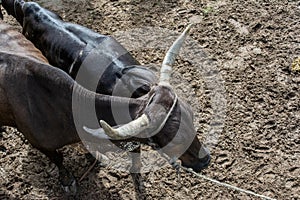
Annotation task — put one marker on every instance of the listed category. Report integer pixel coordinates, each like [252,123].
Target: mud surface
[244,91]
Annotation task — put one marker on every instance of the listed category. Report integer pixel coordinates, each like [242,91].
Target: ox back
[71,47]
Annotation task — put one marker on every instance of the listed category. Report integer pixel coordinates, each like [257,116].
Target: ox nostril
[202,164]
[204,152]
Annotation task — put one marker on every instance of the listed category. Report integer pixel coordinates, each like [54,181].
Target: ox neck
[112,109]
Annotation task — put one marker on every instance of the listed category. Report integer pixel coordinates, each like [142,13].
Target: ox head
[135,81]
[165,120]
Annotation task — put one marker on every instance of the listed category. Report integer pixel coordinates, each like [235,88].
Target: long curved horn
[169,60]
[98,133]
[131,129]
[128,130]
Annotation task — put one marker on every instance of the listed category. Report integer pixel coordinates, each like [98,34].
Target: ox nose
[204,160]
[203,152]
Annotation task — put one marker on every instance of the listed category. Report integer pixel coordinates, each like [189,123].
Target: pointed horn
[169,60]
[128,130]
[131,129]
[98,133]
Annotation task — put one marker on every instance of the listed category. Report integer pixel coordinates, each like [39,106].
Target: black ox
[37,98]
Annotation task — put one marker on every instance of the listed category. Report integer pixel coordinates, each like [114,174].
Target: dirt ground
[247,102]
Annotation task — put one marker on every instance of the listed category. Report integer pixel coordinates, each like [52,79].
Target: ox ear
[160,108]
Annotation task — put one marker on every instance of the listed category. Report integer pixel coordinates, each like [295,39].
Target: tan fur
[13,42]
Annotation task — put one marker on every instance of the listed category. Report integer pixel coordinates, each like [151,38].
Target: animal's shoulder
[12,41]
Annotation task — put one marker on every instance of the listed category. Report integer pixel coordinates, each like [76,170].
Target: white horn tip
[105,126]
[96,132]
[109,130]
[92,131]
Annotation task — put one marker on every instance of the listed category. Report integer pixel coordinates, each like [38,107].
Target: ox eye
[144,89]
[126,69]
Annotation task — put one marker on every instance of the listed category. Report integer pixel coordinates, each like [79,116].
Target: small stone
[196,19]
[257,51]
